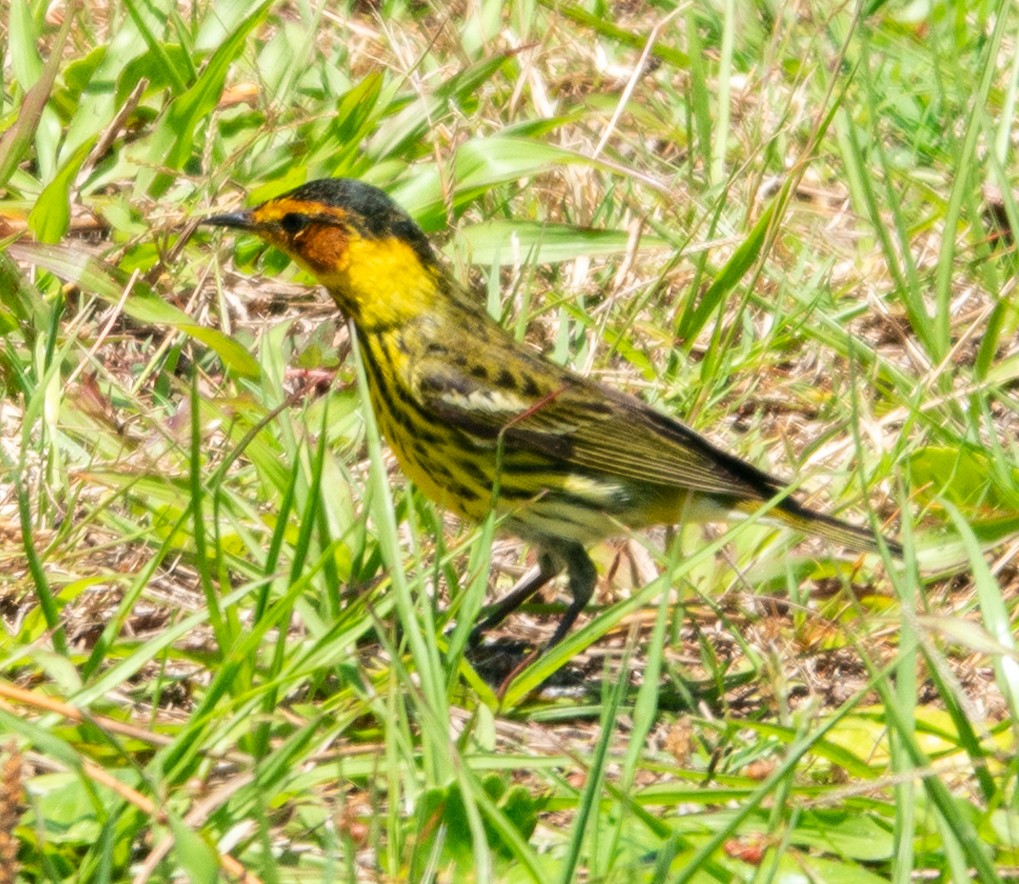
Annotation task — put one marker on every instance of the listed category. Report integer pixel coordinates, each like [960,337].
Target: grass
[233,637]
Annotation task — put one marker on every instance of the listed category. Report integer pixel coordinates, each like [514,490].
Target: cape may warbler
[480,421]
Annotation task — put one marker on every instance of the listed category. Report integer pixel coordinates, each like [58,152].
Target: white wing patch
[491,401]
[599,491]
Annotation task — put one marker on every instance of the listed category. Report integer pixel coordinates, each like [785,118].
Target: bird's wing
[570,419]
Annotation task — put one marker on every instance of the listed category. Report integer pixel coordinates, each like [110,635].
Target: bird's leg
[582,576]
[547,568]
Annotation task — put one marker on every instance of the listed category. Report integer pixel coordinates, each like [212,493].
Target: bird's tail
[808,521]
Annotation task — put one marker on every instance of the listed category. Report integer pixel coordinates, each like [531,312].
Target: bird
[481,422]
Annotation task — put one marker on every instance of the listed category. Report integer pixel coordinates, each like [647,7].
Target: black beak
[238,220]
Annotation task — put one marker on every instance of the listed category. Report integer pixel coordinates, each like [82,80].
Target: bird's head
[369,254]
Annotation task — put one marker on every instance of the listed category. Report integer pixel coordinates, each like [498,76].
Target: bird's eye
[294,223]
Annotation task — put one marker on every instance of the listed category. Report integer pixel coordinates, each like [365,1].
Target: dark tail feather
[808,521]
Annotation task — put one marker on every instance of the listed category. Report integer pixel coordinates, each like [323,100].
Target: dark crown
[371,211]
